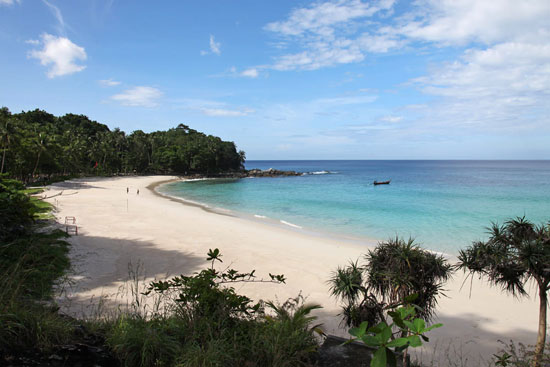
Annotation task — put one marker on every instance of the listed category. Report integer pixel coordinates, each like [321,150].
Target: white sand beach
[167,237]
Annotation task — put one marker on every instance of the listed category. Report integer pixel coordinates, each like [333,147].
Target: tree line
[37,144]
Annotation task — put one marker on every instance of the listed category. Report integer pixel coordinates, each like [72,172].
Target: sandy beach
[167,237]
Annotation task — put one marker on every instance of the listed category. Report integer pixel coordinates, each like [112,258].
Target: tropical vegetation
[410,330]
[395,292]
[203,321]
[515,253]
[36,144]
[393,271]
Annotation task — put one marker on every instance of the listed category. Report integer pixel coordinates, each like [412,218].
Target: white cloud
[459,22]
[391,119]
[500,81]
[321,18]
[109,83]
[345,31]
[140,96]
[214,108]
[220,112]
[60,55]
[33,42]
[501,85]
[9,2]
[325,31]
[214,46]
[58,16]
[250,73]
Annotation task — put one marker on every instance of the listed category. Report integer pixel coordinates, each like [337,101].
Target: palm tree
[515,253]
[5,138]
[40,144]
[395,270]
[6,133]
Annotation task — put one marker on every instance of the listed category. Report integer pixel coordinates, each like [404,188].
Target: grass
[208,333]
[30,265]
[42,209]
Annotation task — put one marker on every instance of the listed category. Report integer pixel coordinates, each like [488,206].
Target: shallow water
[445,205]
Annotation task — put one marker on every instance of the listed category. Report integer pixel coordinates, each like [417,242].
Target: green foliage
[519,355]
[202,294]
[36,145]
[211,325]
[139,342]
[26,327]
[515,253]
[397,269]
[16,210]
[381,337]
[30,264]
[393,271]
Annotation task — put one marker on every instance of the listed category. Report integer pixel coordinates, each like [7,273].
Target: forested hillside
[37,144]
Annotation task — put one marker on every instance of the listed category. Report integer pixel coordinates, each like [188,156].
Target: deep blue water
[444,205]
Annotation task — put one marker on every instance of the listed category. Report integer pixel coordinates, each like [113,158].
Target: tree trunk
[3,158]
[36,165]
[541,338]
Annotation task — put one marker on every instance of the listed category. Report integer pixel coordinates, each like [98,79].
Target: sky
[338,79]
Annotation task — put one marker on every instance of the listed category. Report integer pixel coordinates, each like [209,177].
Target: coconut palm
[6,133]
[515,253]
[395,270]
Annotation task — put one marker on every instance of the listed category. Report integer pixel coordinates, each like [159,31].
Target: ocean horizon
[443,204]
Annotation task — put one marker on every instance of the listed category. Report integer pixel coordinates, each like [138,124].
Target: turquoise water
[444,205]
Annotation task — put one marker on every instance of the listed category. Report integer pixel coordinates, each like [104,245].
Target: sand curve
[167,237]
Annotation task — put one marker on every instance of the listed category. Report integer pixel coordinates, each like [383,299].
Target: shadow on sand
[460,342]
[106,271]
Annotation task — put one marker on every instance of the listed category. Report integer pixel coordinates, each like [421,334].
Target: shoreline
[364,241]
[117,229]
[361,240]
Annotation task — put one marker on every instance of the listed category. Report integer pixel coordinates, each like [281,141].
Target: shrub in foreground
[209,324]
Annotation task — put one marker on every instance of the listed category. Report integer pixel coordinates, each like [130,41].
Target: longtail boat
[381,182]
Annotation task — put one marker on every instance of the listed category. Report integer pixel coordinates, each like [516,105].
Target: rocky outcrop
[271,173]
[247,173]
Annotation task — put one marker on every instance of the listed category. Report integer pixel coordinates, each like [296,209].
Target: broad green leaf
[378,327]
[409,324]
[379,358]
[359,331]
[385,335]
[407,311]
[399,342]
[397,318]
[415,341]
[370,340]
[419,325]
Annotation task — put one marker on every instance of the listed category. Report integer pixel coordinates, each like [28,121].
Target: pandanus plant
[516,253]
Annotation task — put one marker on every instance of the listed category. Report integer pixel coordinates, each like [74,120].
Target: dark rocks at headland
[271,173]
[248,173]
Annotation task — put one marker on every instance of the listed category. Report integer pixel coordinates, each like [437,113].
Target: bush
[211,325]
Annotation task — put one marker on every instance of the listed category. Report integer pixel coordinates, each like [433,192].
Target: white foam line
[290,224]
[260,216]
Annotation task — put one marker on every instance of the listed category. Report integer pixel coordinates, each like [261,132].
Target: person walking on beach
[138,191]
[127,190]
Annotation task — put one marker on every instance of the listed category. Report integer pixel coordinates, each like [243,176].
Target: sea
[443,205]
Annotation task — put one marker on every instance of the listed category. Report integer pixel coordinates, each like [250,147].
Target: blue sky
[340,79]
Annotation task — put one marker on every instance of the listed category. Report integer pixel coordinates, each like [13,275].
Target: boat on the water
[381,182]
